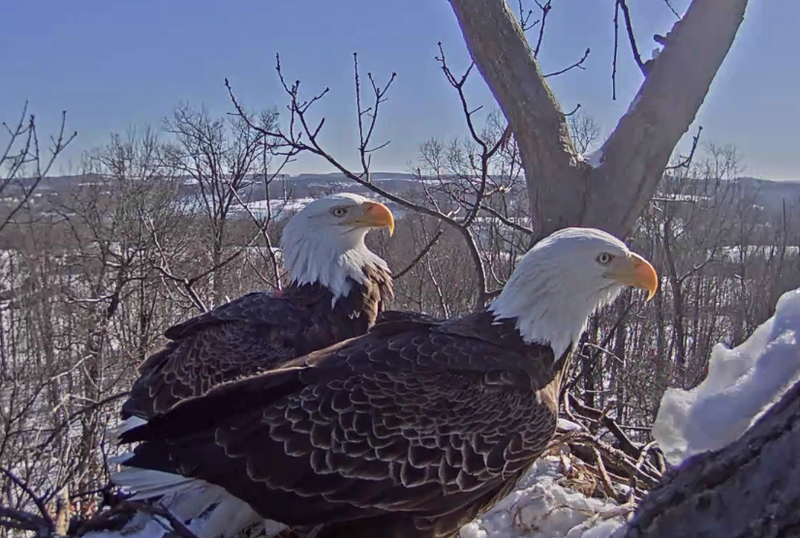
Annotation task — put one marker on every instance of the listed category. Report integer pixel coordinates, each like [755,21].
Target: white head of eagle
[563,279]
[324,242]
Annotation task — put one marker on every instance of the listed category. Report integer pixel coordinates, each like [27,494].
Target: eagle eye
[339,211]
[604,258]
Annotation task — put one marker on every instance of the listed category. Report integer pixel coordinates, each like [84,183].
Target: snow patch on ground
[742,383]
[541,507]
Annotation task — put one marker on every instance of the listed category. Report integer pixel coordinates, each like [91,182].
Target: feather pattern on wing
[418,425]
[252,334]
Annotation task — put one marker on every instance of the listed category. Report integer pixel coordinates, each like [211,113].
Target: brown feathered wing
[416,427]
[255,333]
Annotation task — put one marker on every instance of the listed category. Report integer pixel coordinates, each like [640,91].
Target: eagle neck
[336,263]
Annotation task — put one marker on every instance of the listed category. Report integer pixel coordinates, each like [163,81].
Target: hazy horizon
[398,173]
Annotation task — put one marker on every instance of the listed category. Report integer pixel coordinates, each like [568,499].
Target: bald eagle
[337,288]
[413,429]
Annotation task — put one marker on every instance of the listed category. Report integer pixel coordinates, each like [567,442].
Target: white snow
[143,525]
[542,507]
[680,197]
[735,253]
[593,158]
[741,384]
[565,425]
[278,209]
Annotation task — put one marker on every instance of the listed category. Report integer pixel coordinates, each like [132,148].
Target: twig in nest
[583,445]
[628,447]
[609,487]
[643,455]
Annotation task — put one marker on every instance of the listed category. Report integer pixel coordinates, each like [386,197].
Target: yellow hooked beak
[375,215]
[635,271]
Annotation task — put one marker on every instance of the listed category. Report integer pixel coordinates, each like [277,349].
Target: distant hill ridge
[770,193]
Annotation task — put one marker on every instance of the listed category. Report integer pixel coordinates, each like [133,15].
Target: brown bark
[749,488]
[564,190]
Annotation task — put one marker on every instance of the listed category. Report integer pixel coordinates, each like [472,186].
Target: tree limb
[34,498]
[637,151]
[499,49]
[11,518]
[563,189]
[419,256]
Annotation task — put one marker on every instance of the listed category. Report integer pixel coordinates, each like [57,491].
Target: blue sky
[113,64]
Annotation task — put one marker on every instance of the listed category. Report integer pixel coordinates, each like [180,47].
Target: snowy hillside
[741,384]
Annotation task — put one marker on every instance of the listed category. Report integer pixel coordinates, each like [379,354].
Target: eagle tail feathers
[215,512]
[127,424]
[147,483]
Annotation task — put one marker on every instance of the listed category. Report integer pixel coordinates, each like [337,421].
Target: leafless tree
[23,164]
[222,156]
[584,130]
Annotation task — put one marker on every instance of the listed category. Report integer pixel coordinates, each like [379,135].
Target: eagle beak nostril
[378,215]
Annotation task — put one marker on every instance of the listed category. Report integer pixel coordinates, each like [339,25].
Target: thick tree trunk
[749,488]
[564,190]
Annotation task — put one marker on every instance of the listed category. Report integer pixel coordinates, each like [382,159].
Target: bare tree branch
[177,525]
[672,9]
[32,495]
[302,137]
[419,256]
[576,65]
[524,18]
[545,11]
[11,518]
[631,37]
[685,163]
[562,189]
[29,154]
[496,214]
